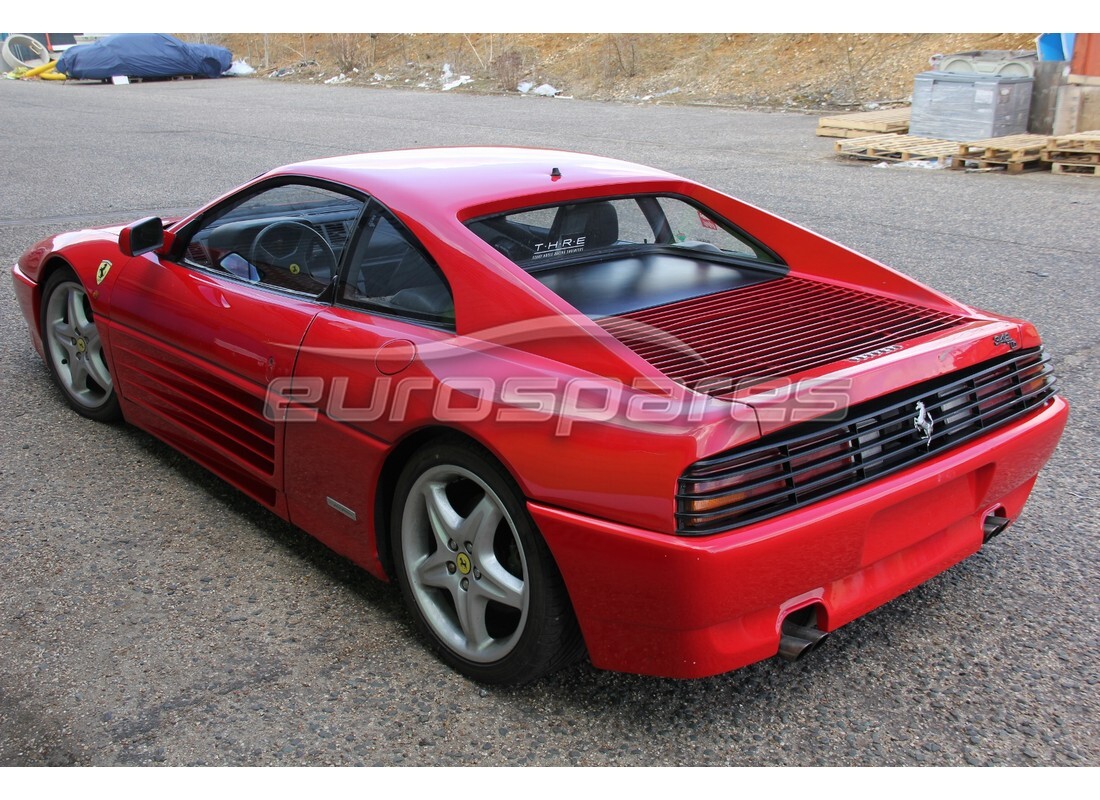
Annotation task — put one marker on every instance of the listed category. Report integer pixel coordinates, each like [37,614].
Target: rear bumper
[682,607]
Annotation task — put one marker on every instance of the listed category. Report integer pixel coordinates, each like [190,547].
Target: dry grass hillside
[812,71]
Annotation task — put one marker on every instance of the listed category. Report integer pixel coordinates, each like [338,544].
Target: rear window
[545,237]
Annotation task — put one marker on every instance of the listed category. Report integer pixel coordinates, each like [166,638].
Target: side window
[390,272]
[289,237]
[690,225]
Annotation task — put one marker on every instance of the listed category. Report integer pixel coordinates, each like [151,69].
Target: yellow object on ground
[39,70]
[53,75]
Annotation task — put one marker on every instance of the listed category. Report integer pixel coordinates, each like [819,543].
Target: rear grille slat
[815,460]
[727,350]
[847,345]
[769,330]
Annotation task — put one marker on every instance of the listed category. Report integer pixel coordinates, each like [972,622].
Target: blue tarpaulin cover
[143,55]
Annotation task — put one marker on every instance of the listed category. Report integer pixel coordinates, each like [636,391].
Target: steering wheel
[295,247]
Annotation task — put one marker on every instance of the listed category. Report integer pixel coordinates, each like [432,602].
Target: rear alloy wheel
[476,575]
[74,350]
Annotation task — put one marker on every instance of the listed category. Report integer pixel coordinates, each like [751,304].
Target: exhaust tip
[791,649]
[800,636]
[994,525]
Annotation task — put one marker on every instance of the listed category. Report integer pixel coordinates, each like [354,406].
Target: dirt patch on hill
[810,71]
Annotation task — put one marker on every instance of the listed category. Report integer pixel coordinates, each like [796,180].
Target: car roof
[450,179]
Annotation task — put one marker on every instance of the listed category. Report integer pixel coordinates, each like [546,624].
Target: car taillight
[753,476]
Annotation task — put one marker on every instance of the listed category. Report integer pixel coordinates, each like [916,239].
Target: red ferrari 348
[570,404]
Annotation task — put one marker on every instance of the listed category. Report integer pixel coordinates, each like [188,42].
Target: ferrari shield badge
[101,272]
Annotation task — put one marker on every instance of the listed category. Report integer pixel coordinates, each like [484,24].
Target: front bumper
[26,292]
[681,607]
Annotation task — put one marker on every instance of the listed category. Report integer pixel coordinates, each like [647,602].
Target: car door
[198,337]
[362,379]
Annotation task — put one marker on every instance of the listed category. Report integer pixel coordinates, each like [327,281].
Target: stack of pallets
[1074,153]
[1014,153]
[893,147]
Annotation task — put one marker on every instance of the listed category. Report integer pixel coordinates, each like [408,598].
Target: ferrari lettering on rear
[875,353]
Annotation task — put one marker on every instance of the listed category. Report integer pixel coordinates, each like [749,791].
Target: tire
[478,579]
[74,350]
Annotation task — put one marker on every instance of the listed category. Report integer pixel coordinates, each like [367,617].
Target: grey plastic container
[965,108]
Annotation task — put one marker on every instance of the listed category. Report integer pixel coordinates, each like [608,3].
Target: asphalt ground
[149,614]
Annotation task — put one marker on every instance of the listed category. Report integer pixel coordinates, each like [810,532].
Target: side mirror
[143,236]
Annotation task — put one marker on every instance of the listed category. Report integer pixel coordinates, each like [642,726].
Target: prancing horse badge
[923,422]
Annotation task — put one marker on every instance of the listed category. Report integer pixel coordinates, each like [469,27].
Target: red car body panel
[845,556]
[195,357]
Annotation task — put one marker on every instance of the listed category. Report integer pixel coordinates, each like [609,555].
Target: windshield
[541,238]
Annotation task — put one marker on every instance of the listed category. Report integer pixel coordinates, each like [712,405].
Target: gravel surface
[149,614]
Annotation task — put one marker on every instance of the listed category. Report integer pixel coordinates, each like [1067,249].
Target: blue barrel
[1055,46]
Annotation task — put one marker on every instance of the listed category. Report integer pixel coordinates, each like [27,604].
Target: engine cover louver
[717,343]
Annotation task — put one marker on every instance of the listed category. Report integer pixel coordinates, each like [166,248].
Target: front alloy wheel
[475,573]
[74,350]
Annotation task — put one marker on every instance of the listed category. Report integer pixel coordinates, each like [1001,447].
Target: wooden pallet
[1071,157]
[1084,142]
[1014,153]
[895,147]
[1067,168]
[864,123]
[1074,153]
